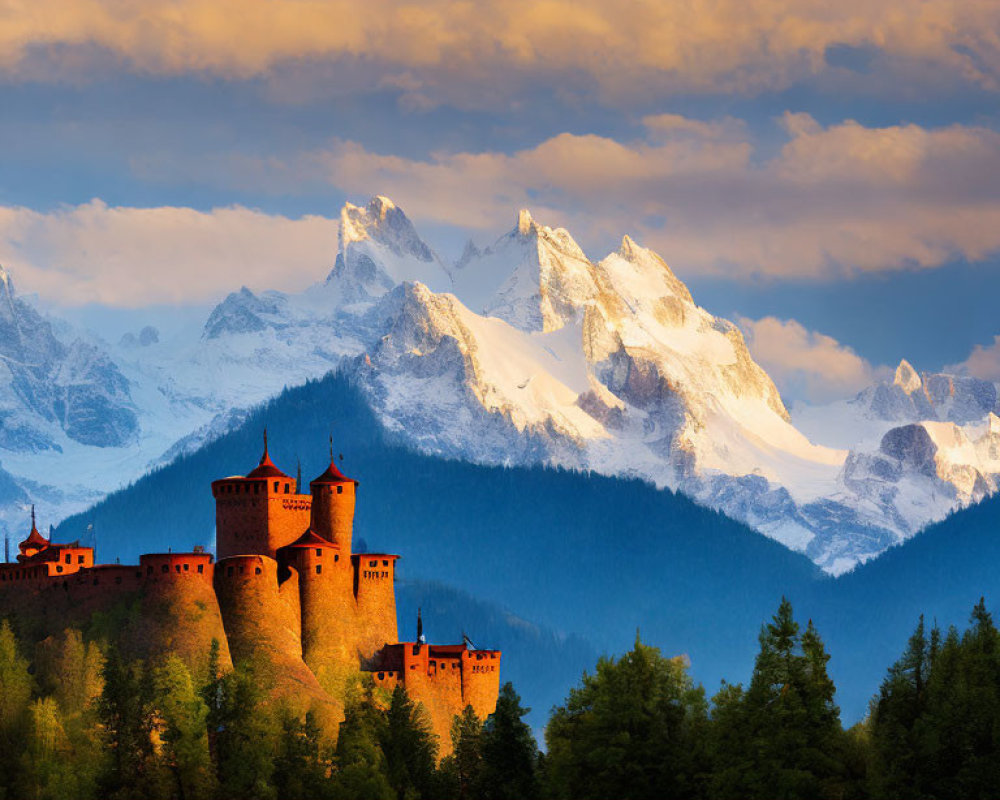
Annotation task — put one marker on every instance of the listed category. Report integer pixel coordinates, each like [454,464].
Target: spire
[266,467]
[333,473]
[420,628]
[35,540]
[298,476]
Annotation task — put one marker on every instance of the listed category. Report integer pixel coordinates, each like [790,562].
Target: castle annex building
[286,593]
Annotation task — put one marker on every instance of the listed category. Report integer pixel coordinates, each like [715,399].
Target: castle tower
[333,497]
[35,542]
[258,513]
[329,623]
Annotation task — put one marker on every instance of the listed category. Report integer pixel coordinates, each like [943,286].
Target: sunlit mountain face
[819,360]
[528,352]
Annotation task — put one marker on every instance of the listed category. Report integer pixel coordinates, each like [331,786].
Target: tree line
[79,720]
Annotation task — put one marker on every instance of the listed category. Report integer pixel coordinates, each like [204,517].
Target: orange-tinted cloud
[983,362]
[626,48]
[806,364]
[838,199]
[132,257]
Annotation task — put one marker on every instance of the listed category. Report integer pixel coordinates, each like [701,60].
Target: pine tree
[467,752]
[244,737]
[360,763]
[185,735]
[15,697]
[301,766]
[127,715]
[410,747]
[48,768]
[510,753]
[786,741]
[634,729]
[896,769]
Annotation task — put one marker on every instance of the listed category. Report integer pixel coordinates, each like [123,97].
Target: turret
[35,542]
[333,496]
[258,513]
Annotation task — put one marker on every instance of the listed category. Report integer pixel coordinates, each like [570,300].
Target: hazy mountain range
[526,352]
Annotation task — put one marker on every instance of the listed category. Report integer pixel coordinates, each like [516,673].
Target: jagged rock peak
[634,253]
[384,222]
[907,377]
[525,222]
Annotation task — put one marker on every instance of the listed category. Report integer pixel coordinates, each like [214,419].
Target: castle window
[319,568]
[276,485]
[257,571]
[187,567]
[256,488]
[165,568]
[59,568]
[201,568]
[336,557]
[177,567]
[319,551]
[69,559]
[149,570]
[241,570]
[381,676]
[79,559]
[229,571]
[385,563]
[287,488]
[373,563]
[340,490]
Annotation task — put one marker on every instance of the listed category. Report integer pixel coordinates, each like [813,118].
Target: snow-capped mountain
[528,351]
[542,355]
[50,388]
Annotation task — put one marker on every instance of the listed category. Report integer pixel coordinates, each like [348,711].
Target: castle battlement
[285,592]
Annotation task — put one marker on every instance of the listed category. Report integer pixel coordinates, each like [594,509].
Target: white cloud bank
[805,364]
[131,257]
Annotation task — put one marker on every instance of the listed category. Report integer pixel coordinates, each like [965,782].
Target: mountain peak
[907,377]
[384,222]
[525,222]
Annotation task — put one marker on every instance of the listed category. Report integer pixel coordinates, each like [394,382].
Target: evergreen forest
[78,720]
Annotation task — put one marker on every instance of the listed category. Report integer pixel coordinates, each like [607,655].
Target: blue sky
[837,170]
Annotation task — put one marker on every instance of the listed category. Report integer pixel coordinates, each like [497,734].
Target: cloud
[834,200]
[983,362]
[805,364]
[133,257]
[458,49]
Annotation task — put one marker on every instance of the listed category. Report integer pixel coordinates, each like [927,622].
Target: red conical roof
[332,475]
[35,539]
[311,539]
[266,468]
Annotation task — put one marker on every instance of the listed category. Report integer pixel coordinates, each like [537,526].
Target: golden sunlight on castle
[286,594]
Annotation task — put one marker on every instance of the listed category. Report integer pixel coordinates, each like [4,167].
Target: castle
[285,593]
